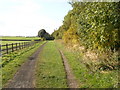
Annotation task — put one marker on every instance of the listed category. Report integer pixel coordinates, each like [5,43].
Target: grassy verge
[15,60]
[50,70]
[87,78]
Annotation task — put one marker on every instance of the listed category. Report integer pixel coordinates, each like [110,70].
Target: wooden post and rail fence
[7,48]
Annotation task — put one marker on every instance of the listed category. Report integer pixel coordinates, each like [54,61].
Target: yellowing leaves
[70,36]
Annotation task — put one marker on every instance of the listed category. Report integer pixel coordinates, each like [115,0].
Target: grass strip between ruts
[50,71]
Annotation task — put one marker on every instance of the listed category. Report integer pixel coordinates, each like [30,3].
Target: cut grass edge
[50,71]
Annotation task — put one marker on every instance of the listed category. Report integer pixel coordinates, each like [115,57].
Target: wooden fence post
[16,46]
[7,48]
[19,46]
[27,44]
[0,50]
[12,48]
[32,42]
[0,47]
[22,45]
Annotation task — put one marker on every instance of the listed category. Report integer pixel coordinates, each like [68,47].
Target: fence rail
[7,48]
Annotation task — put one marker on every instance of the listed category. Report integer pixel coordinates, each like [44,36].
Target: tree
[97,25]
[43,34]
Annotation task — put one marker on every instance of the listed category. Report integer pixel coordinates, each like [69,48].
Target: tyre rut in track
[24,78]
[71,81]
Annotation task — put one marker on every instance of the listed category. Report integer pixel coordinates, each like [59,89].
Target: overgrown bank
[93,29]
[86,75]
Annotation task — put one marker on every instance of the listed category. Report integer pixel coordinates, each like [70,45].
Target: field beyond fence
[19,40]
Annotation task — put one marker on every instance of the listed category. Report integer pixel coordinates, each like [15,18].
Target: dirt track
[71,81]
[24,78]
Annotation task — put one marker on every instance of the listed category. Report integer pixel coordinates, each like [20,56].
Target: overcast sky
[27,17]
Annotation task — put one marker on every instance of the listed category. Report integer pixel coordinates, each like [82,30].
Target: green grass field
[21,38]
[12,62]
[17,38]
[50,70]
[9,42]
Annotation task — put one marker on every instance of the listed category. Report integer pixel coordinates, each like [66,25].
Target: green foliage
[43,34]
[98,27]
[95,26]
[96,23]
[58,34]
[70,36]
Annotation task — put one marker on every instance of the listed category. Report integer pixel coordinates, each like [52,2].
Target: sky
[27,17]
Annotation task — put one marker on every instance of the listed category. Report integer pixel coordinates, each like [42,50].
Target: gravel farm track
[24,78]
